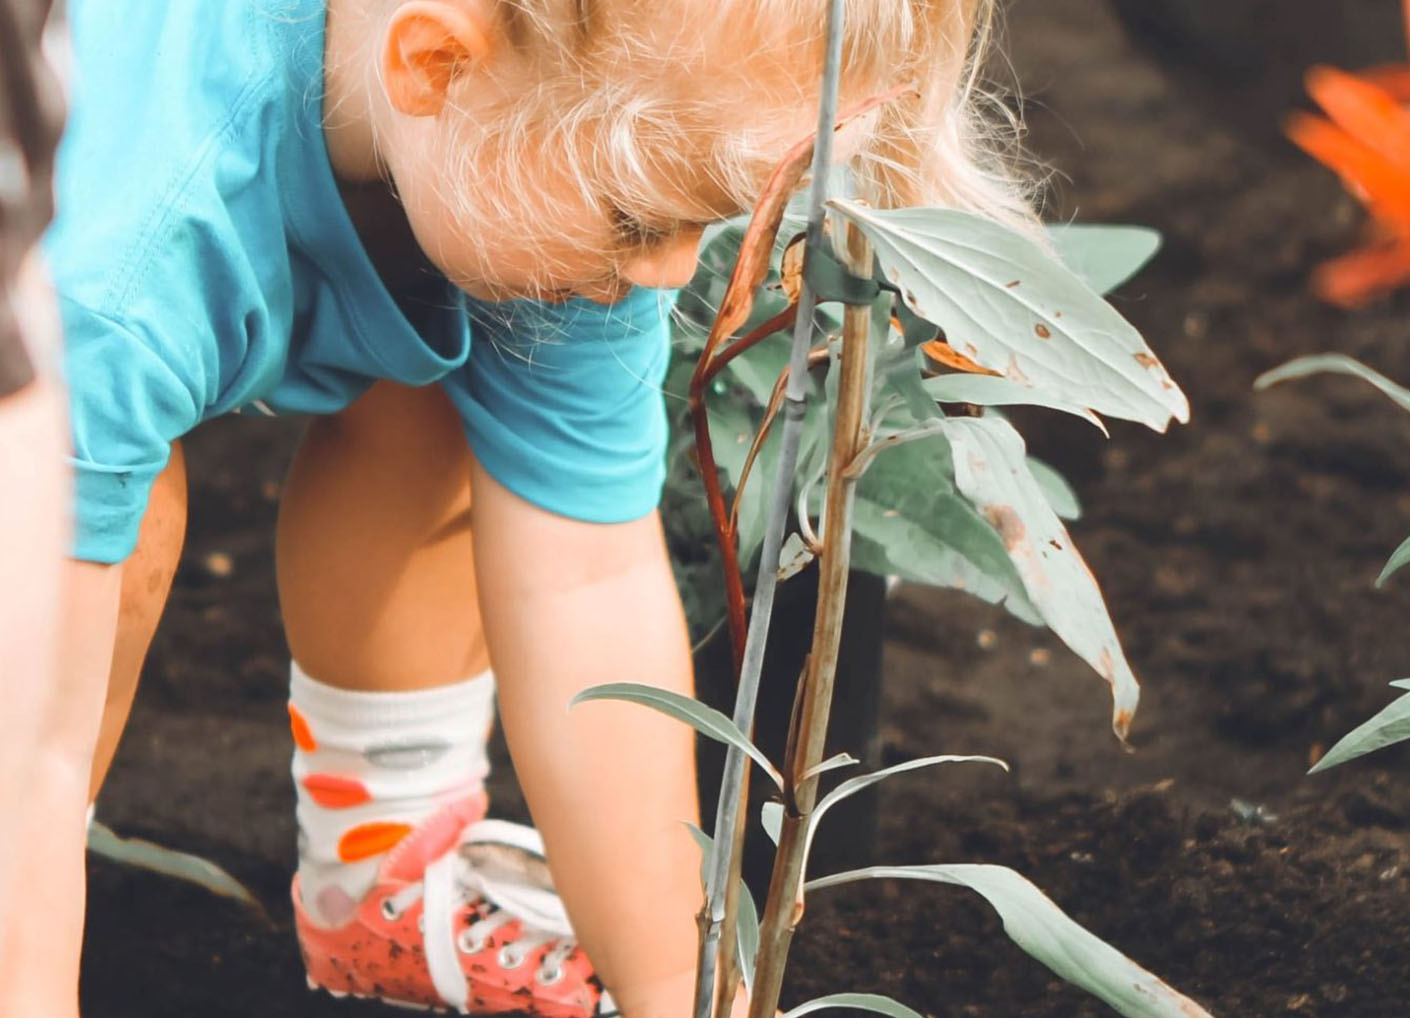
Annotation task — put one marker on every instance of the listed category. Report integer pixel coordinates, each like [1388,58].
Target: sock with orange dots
[368,767]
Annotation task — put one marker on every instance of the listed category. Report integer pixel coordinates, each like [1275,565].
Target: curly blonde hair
[628,98]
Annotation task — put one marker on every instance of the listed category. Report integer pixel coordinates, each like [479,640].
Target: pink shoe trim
[433,838]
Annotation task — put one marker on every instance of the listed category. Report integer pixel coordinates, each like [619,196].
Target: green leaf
[793,557]
[732,432]
[1104,256]
[746,920]
[771,816]
[149,856]
[1398,558]
[832,763]
[706,844]
[991,471]
[1042,929]
[705,720]
[895,546]
[1334,364]
[898,372]
[854,785]
[813,453]
[989,390]
[1060,495]
[748,937]
[915,330]
[758,370]
[1390,726]
[911,523]
[1008,305]
[857,1002]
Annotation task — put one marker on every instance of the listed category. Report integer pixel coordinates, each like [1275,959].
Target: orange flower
[1365,139]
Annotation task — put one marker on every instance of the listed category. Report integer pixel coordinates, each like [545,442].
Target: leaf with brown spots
[991,472]
[953,269]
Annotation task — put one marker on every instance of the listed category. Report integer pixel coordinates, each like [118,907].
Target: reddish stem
[752,265]
[783,320]
[724,535]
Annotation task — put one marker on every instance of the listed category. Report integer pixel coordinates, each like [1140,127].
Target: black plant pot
[1245,59]
[847,838]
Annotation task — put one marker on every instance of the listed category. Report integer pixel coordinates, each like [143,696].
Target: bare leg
[376,574]
[375,580]
[146,583]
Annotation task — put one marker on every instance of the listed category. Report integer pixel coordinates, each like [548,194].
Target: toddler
[450,230]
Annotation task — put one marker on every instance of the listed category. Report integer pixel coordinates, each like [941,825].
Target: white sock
[368,766]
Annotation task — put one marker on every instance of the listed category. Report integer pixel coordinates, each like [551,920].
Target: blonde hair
[627,98]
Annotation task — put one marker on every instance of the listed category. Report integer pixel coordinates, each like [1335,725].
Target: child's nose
[668,265]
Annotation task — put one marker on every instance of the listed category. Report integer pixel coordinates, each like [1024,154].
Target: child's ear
[428,43]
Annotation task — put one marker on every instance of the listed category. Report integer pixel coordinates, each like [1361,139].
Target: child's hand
[672,998]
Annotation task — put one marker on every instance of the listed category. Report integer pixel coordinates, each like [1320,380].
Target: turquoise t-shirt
[205,262]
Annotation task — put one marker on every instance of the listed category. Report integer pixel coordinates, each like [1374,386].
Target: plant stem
[785,319]
[785,904]
[735,612]
[796,405]
[730,975]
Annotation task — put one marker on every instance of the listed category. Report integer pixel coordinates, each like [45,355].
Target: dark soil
[1237,555]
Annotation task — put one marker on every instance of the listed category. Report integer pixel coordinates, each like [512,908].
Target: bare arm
[39,964]
[568,605]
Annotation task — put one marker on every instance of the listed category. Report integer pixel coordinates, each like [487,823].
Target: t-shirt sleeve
[127,404]
[562,404]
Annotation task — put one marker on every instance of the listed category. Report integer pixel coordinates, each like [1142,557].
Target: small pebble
[219,564]
[1040,656]
[987,639]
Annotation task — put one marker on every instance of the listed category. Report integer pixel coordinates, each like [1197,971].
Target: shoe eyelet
[389,910]
[509,958]
[548,977]
[468,944]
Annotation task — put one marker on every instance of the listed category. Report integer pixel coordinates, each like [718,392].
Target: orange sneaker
[463,917]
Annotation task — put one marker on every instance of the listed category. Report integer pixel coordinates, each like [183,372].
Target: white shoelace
[453,880]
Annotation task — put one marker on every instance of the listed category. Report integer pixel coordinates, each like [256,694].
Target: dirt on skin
[1237,555]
